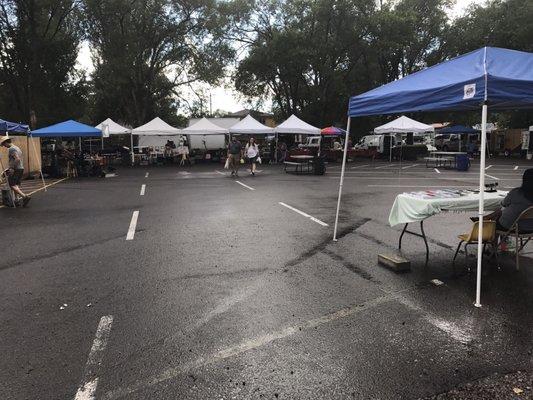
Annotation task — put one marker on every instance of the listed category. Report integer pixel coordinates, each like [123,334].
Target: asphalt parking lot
[166,283]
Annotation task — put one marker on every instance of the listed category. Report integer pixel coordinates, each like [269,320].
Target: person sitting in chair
[516,201]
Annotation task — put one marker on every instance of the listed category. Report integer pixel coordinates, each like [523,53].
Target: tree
[312,56]
[144,50]
[38,50]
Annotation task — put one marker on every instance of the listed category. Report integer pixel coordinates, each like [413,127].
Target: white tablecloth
[408,208]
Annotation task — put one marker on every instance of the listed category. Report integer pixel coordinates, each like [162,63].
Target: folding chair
[489,237]
[514,231]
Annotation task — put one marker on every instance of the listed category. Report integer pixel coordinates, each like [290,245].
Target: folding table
[416,207]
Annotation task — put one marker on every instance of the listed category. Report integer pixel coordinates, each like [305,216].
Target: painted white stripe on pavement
[89,382]
[220,172]
[146,175]
[410,166]
[133,225]
[437,171]
[515,167]
[246,186]
[304,214]
[422,186]
[360,166]
[386,166]
[248,344]
[143,189]
[487,167]
[493,177]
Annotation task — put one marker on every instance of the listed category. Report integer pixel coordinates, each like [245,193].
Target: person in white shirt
[252,153]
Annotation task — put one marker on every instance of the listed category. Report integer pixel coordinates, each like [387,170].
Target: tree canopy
[305,56]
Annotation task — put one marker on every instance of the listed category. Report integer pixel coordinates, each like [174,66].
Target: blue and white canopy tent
[488,78]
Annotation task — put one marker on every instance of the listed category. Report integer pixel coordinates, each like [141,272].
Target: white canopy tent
[155,133]
[250,126]
[402,124]
[204,127]
[294,125]
[110,127]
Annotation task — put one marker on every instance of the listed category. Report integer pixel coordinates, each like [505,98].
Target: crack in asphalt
[322,245]
[58,252]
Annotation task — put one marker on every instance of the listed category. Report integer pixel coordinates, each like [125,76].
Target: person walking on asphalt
[234,155]
[16,169]
[252,153]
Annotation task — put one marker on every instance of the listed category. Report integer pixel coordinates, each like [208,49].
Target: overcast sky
[227,99]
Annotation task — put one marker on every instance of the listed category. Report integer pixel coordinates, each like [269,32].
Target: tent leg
[390,148]
[40,165]
[342,177]
[276,151]
[481,202]
[131,150]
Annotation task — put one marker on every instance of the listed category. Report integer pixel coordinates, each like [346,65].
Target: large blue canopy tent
[495,78]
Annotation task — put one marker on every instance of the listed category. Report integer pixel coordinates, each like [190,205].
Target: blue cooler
[463,162]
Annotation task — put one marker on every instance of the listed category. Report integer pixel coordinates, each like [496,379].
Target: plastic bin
[463,162]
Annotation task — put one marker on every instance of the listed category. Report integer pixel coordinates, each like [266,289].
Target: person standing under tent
[252,153]
[234,155]
[16,169]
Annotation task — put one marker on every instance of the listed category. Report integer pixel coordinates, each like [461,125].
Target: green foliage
[313,55]
[38,50]
[144,50]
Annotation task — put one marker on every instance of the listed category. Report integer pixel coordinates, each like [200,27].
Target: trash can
[463,162]
[319,166]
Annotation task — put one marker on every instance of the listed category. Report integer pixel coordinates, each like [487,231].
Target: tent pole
[79,141]
[131,150]
[390,148]
[481,202]
[276,151]
[342,177]
[40,164]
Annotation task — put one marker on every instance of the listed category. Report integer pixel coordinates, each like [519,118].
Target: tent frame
[484,112]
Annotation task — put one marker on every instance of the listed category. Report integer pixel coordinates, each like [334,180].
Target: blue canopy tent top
[6,126]
[68,128]
[458,129]
[495,78]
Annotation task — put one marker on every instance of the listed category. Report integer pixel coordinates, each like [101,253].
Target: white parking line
[410,166]
[386,166]
[422,186]
[246,186]
[146,175]
[493,177]
[437,171]
[487,167]
[515,167]
[220,172]
[360,166]
[133,225]
[89,383]
[143,189]
[304,214]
